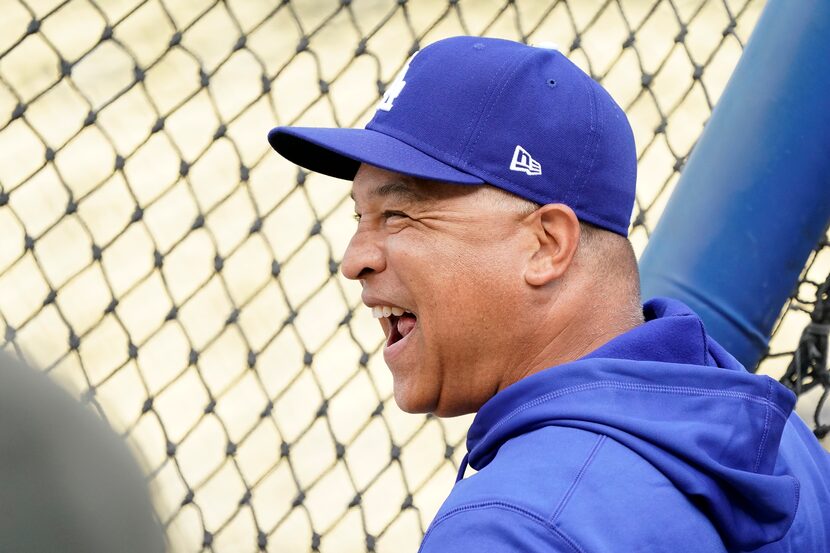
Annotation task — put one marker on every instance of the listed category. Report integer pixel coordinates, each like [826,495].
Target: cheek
[469,299]
[487,294]
[462,288]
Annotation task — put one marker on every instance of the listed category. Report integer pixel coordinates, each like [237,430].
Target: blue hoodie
[657,441]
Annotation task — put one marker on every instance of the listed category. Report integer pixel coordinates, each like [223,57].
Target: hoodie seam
[503,505]
[705,338]
[675,390]
[763,444]
[572,488]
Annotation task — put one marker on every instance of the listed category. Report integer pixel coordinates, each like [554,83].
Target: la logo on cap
[396,87]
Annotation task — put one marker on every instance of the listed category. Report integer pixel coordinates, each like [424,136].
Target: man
[494,189]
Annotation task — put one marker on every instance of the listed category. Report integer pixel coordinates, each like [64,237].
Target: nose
[363,256]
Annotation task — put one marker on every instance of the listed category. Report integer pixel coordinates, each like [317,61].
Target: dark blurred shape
[67,482]
[810,365]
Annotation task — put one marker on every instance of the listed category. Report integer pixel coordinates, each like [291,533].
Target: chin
[414,399]
[453,411]
[428,405]
[412,405]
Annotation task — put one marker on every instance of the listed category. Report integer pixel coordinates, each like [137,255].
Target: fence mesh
[160,260]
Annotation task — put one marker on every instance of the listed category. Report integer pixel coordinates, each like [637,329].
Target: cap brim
[339,153]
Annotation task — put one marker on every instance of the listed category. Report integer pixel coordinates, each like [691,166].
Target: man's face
[453,262]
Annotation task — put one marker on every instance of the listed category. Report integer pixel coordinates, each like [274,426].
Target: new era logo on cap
[523,163]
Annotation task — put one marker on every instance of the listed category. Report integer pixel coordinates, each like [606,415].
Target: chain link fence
[160,260]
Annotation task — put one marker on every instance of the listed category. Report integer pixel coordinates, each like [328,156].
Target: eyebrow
[397,188]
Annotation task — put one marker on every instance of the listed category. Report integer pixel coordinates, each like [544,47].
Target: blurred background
[159,261]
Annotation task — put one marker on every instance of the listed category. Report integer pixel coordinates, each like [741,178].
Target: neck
[571,330]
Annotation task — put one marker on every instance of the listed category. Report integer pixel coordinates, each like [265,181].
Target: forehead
[374,184]
[388,185]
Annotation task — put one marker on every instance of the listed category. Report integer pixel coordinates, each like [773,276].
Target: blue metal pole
[754,197]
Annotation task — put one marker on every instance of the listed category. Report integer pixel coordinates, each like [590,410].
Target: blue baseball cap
[472,110]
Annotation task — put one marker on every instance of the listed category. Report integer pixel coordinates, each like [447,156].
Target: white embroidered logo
[523,163]
[395,88]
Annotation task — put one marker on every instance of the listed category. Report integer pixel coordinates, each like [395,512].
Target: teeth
[379,311]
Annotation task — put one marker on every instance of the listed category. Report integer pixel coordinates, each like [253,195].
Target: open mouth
[401,322]
[400,326]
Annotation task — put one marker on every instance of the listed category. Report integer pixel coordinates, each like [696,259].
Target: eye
[392,214]
[357,217]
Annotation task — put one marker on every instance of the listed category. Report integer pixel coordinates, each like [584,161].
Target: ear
[557,232]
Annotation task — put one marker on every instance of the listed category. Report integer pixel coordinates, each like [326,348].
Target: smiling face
[456,263]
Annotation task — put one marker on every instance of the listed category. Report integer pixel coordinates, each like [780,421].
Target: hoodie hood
[670,393]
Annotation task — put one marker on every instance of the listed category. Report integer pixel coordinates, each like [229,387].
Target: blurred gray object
[67,482]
